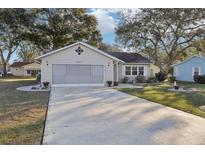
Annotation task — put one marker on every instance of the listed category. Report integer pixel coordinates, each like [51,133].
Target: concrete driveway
[88,115]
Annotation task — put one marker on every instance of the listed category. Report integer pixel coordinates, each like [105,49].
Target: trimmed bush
[125,80]
[140,79]
[109,83]
[160,76]
[171,78]
[151,80]
[38,77]
[115,83]
[199,79]
[195,78]
[45,84]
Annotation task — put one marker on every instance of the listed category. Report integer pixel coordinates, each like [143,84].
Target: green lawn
[22,114]
[188,102]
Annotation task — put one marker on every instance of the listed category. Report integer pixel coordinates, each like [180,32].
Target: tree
[162,34]
[199,46]
[54,28]
[108,47]
[28,52]
[10,33]
[45,29]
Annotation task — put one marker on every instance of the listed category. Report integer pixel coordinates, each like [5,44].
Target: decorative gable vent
[79,50]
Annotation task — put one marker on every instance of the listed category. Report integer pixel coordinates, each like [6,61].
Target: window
[134,70]
[141,70]
[28,71]
[196,71]
[127,70]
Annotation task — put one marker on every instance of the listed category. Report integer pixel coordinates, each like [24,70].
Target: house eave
[84,44]
[187,60]
[136,63]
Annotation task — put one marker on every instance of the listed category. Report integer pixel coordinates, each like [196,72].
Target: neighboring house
[185,70]
[25,68]
[83,64]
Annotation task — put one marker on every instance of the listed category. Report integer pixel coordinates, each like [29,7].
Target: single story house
[185,70]
[25,68]
[83,64]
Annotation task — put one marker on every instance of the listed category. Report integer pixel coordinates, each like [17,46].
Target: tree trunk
[4,70]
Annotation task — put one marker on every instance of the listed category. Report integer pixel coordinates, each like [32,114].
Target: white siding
[69,56]
[17,71]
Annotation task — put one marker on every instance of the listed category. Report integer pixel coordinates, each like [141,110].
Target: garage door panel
[77,70]
[97,74]
[77,74]
[59,73]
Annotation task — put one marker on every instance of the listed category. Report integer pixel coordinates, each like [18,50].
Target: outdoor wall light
[47,63]
[108,64]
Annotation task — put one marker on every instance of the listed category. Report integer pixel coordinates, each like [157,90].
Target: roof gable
[84,44]
[19,64]
[30,64]
[188,60]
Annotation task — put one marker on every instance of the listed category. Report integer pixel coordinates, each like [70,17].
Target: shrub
[171,78]
[109,83]
[195,78]
[160,76]
[125,80]
[199,79]
[38,78]
[140,79]
[45,84]
[115,83]
[151,80]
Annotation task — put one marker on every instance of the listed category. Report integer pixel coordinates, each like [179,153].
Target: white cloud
[106,23]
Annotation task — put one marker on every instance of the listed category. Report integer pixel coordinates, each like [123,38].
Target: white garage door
[77,74]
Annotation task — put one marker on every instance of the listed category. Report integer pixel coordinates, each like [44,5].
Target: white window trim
[139,70]
[194,68]
[131,70]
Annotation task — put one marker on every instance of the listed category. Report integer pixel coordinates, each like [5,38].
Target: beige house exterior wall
[154,69]
[17,71]
[70,56]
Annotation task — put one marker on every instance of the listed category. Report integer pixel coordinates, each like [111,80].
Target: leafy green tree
[45,29]
[162,34]
[109,47]
[11,21]
[199,46]
[28,52]
[54,28]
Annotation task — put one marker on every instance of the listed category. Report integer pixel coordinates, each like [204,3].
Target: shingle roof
[129,57]
[19,64]
[124,56]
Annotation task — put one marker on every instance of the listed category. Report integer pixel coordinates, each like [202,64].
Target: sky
[107,22]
